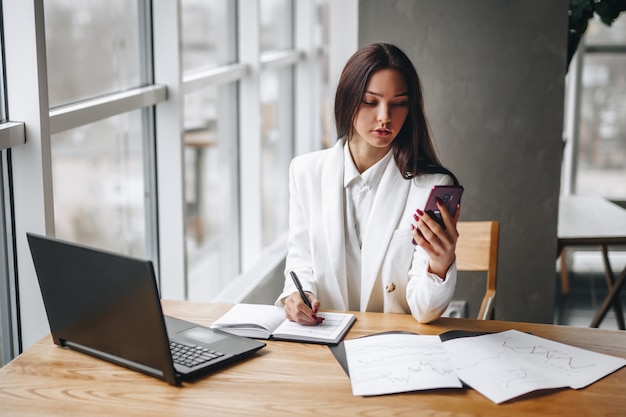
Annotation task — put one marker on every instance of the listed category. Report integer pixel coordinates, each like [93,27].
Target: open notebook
[268,322]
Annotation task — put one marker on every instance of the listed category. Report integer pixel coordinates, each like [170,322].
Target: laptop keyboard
[192,355]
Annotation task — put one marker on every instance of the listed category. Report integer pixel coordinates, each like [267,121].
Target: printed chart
[391,363]
[505,365]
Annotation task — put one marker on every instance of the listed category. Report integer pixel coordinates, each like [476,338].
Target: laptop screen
[102,301]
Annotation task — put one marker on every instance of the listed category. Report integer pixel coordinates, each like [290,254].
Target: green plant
[580,11]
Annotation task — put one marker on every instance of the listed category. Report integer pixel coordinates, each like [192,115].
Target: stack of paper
[500,366]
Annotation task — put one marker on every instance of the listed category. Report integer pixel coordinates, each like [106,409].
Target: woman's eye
[400,104]
[369,103]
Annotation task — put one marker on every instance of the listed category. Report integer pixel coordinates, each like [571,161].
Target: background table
[288,379]
[593,221]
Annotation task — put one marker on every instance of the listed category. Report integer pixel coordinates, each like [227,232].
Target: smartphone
[449,195]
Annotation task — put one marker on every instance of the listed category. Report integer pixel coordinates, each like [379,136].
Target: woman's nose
[383,114]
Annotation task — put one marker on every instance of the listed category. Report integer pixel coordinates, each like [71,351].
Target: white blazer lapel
[387,208]
[333,213]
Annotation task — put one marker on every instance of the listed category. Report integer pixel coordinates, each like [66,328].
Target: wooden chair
[477,250]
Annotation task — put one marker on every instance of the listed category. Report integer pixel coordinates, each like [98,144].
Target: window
[276,25]
[211,147]
[326,96]
[161,130]
[211,206]
[594,160]
[277,90]
[277,150]
[208,33]
[98,182]
[93,49]
[599,154]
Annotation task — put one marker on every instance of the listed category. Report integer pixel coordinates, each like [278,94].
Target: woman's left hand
[439,244]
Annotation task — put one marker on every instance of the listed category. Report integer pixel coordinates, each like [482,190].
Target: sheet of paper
[390,363]
[266,316]
[502,366]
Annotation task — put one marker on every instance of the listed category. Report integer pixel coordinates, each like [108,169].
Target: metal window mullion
[250,124]
[214,77]
[280,59]
[89,111]
[31,165]
[169,151]
[12,134]
[148,121]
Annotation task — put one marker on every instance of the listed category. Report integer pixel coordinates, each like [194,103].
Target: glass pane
[322,35]
[208,33]
[599,33]
[602,127]
[92,48]
[602,146]
[277,149]
[276,29]
[98,183]
[210,190]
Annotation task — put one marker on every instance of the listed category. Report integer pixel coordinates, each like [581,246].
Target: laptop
[107,305]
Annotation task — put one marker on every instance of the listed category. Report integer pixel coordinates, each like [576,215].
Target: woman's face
[383,109]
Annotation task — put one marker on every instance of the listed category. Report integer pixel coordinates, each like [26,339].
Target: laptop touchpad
[203,335]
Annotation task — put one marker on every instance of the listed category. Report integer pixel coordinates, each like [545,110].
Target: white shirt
[360,190]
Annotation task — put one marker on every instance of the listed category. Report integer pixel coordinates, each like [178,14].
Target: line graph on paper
[516,347]
[554,358]
[505,365]
[384,364]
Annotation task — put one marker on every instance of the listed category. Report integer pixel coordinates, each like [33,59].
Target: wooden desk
[287,379]
[593,221]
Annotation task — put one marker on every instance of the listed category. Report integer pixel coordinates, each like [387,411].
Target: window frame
[572,117]
[29,164]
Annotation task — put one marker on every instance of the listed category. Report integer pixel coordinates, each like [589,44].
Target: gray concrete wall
[493,73]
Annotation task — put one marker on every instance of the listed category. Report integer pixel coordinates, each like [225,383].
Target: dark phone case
[450,195]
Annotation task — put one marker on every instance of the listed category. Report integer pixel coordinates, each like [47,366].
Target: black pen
[300,290]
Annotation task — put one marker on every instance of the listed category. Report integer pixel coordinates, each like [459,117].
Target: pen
[300,290]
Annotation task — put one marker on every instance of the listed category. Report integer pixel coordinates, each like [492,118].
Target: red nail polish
[412,226]
[420,212]
[416,218]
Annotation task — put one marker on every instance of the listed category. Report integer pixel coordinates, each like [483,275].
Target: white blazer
[394,277]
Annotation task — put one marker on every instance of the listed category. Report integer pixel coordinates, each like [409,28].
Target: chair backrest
[477,250]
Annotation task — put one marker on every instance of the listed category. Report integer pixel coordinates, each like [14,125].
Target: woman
[358,239]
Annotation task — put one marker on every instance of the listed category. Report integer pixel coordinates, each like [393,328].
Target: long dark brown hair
[413,148]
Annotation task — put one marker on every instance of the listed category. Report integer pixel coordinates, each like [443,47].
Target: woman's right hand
[296,310]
